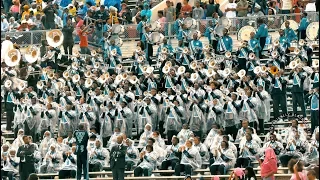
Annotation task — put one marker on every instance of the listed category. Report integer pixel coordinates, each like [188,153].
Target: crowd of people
[204,101]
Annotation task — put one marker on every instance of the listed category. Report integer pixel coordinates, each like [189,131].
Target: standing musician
[314,106]
[289,32]
[225,42]
[184,35]
[261,34]
[196,47]
[304,22]
[279,93]
[243,55]
[297,76]
[210,31]
[254,44]
[178,24]
[148,43]
[165,45]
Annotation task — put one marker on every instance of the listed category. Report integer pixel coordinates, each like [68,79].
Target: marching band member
[264,108]
[173,155]
[173,119]
[107,118]
[184,134]
[66,116]
[145,135]
[262,34]
[211,135]
[247,152]
[233,147]
[274,143]
[197,119]
[304,22]
[254,136]
[242,131]
[314,106]
[19,116]
[215,114]
[18,141]
[224,159]
[147,42]
[69,168]
[70,140]
[45,143]
[124,117]
[289,32]
[298,77]
[10,97]
[165,45]
[270,133]
[52,160]
[11,167]
[157,149]
[243,53]
[184,35]
[158,140]
[291,131]
[190,159]
[203,150]
[32,118]
[254,45]
[113,140]
[195,46]
[312,154]
[48,119]
[132,155]
[225,42]
[210,31]
[141,26]
[148,113]
[217,140]
[278,94]
[232,108]
[178,24]
[284,43]
[249,108]
[98,157]
[296,147]
[149,159]
[315,76]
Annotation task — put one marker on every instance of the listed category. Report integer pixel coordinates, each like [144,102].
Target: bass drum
[156,37]
[312,30]
[244,33]
[294,25]
[117,29]
[190,23]
[225,22]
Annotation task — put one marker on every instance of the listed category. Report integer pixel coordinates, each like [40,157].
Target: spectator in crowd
[15,8]
[197,12]
[178,9]
[4,24]
[13,25]
[296,167]
[169,12]
[49,12]
[231,13]
[100,16]
[286,6]
[26,11]
[84,38]
[186,8]
[33,176]
[242,9]
[162,20]
[303,26]
[114,3]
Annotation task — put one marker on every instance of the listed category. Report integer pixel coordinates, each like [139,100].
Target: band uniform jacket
[118,153]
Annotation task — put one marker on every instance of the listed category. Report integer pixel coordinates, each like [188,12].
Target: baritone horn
[228,54]
[54,37]
[8,83]
[12,58]
[252,56]
[274,70]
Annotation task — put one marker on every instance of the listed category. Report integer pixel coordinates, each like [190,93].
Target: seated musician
[190,159]
[98,157]
[289,33]
[69,168]
[247,153]
[148,164]
[132,155]
[274,144]
[164,45]
[224,159]
[173,155]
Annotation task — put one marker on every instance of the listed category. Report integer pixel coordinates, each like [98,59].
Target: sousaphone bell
[54,38]
[12,58]
[32,54]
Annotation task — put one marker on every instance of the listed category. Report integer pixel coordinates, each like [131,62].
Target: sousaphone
[7,83]
[32,54]
[293,24]
[190,23]
[117,29]
[181,70]
[12,58]
[55,37]
[156,37]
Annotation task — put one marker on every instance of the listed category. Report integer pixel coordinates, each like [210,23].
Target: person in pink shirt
[161,19]
[15,8]
[296,166]
[269,165]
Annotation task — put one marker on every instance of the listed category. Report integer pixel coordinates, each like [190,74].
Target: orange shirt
[186,8]
[83,39]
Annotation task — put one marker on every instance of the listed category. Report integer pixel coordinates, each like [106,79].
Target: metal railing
[274,23]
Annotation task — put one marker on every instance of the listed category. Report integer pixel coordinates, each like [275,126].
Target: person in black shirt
[49,13]
[67,33]
[82,138]
[100,17]
[27,160]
